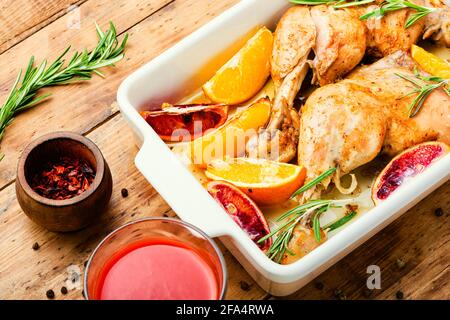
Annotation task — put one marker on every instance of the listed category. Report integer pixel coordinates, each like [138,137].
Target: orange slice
[266,182]
[230,140]
[245,74]
[430,63]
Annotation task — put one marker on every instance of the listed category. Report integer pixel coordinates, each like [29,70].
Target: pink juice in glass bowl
[156,259]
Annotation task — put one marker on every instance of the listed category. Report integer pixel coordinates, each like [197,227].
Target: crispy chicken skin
[388,34]
[347,124]
[340,43]
[293,40]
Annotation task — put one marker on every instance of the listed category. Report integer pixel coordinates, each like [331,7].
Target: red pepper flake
[63,178]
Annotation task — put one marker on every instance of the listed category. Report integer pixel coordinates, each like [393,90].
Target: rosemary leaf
[337,224]
[316,227]
[337,4]
[351,4]
[316,221]
[314,182]
[414,18]
[312,2]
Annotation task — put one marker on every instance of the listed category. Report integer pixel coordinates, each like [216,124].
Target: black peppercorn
[50,294]
[438,212]
[36,246]
[399,295]
[64,290]
[244,285]
[319,285]
[124,192]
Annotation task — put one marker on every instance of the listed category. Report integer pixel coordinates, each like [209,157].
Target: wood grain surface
[413,252]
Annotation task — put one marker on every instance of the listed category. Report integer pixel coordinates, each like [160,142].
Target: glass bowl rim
[184,224]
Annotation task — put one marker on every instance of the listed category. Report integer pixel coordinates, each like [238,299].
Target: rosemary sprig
[337,4]
[423,90]
[314,182]
[299,214]
[394,5]
[23,94]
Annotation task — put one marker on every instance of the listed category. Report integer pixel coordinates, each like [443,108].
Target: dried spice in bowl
[63,178]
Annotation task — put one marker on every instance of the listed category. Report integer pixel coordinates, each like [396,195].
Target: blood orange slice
[176,123]
[242,209]
[405,166]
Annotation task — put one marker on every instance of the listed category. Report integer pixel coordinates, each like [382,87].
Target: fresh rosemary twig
[394,5]
[423,90]
[293,217]
[314,182]
[23,94]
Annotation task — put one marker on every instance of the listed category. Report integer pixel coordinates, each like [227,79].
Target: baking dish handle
[180,189]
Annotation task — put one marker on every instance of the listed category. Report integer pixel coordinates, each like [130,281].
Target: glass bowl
[174,230]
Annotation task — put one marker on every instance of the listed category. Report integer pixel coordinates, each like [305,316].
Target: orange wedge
[245,74]
[430,63]
[266,182]
[230,140]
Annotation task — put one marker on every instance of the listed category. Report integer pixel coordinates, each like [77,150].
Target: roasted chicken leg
[348,123]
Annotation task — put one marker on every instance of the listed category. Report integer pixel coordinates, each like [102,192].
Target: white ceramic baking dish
[175,74]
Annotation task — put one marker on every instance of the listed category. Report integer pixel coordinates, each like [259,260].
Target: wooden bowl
[70,214]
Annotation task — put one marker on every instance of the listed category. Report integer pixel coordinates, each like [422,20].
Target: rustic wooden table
[413,252]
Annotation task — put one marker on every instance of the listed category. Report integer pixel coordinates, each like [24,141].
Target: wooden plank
[90,103]
[21,18]
[419,239]
[25,273]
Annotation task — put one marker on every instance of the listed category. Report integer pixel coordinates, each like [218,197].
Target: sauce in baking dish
[158,270]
